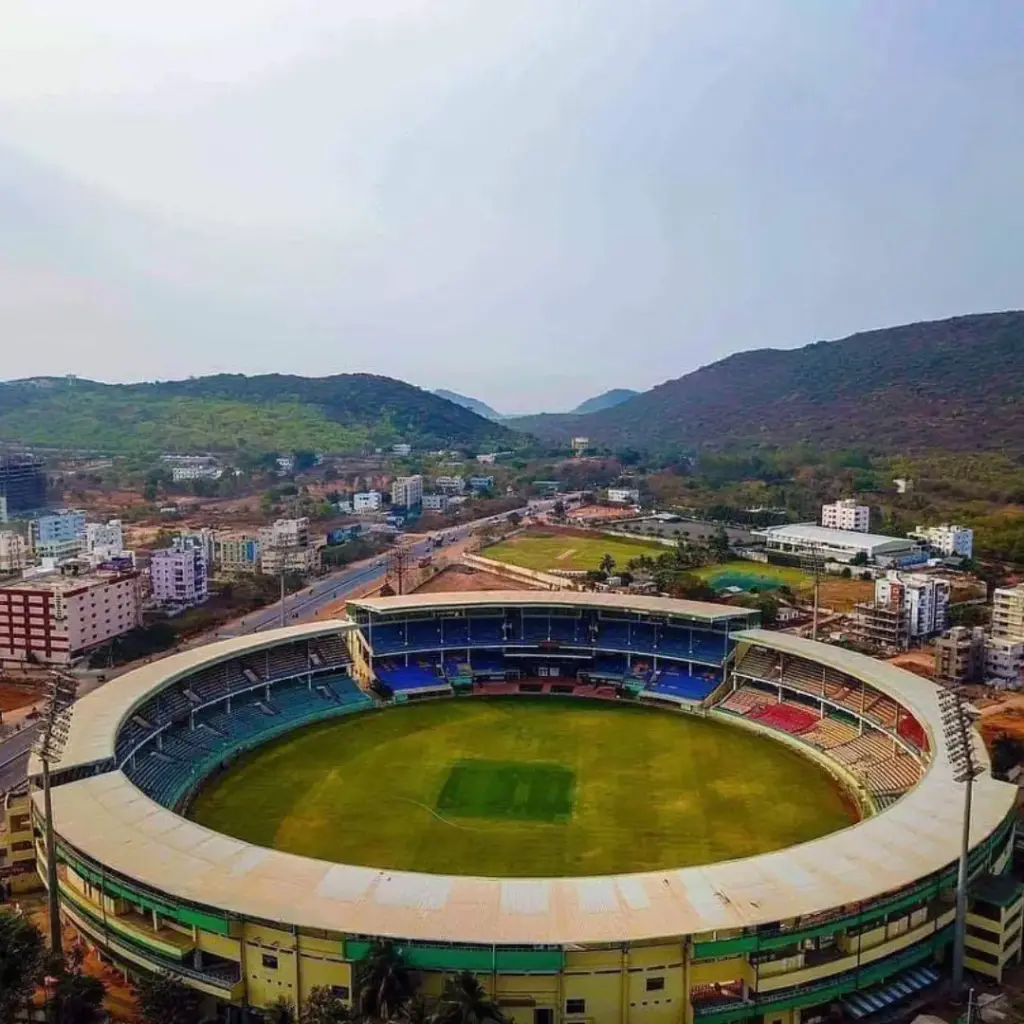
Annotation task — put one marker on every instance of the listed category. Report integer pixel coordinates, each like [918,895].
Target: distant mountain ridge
[473,404]
[270,412]
[606,400]
[955,384]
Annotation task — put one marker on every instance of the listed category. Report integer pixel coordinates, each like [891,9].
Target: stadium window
[270,961]
[655,984]
[575,1006]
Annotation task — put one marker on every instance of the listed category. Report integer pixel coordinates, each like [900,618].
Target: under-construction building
[22,483]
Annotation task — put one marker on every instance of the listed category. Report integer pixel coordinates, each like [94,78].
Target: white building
[580,445]
[179,575]
[947,539]
[623,495]
[401,450]
[179,474]
[106,539]
[1008,613]
[846,514]
[799,539]
[436,502]
[14,554]
[450,484]
[55,616]
[407,491]
[1004,663]
[924,599]
[366,501]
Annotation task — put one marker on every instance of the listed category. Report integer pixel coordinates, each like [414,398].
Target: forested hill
[273,412]
[950,384]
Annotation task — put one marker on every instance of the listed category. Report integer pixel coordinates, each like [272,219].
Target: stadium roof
[95,719]
[561,598]
[107,818]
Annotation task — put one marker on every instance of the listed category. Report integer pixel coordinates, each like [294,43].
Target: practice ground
[753,574]
[523,786]
[544,551]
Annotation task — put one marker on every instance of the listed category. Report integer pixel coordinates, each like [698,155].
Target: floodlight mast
[957,725]
[49,747]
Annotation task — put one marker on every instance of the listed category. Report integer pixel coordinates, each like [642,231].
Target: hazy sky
[528,201]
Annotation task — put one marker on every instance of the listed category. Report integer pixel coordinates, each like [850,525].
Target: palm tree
[464,1001]
[383,983]
[607,564]
[417,1011]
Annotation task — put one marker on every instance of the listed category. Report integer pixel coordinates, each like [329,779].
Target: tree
[77,997]
[383,982]
[558,509]
[418,1011]
[719,544]
[165,999]
[324,1007]
[607,564]
[22,959]
[280,1011]
[464,1001]
[860,558]
[1007,753]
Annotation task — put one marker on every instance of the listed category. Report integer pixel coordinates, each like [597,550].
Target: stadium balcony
[484,631]
[785,717]
[681,683]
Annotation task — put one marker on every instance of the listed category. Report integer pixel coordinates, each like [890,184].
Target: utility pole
[398,566]
[284,619]
[49,747]
[958,728]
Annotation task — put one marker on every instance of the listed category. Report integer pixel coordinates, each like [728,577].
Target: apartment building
[436,502]
[846,514]
[907,607]
[58,536]
[22,483]
[623,495]
[179,474]
[481,483]
[407,491]
[1004,663]
[54,617]
[366,501]
[236,554]
[14,553]
[1008,612]
[450,484]
[105,540]
[285,547]
[960,656]
[179,575]
[948,539]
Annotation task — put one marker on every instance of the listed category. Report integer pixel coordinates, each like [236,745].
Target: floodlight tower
[813,563]
[958,728]
[49,747]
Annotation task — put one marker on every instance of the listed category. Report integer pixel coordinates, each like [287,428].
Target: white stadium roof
[107,818]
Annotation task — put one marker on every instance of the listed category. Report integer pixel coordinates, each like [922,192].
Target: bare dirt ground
[842,594]
[600,512]
[921,663]
[1002,713]
[19,695]
[458,579]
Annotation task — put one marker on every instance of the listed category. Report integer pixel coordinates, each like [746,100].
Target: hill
[606,400]
[272,412]
[953,384]
[473,404]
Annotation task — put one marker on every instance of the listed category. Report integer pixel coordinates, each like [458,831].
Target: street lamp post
[49,746]
[958,727]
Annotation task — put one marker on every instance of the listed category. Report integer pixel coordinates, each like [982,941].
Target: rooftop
[555,599]
[62,583]
[814,534]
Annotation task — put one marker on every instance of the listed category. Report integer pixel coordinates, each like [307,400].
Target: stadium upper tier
[168,723]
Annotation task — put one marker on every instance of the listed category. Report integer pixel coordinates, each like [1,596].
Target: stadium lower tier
[852,923]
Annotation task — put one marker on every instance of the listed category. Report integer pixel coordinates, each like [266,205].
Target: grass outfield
[753,574]
[523,786]
[542,551]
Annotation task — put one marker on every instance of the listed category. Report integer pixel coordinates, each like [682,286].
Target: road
[14,758]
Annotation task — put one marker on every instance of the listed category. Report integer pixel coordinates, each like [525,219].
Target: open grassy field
[523,786]
[753,574]
[543,551]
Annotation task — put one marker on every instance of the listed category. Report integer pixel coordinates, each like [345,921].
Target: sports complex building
[858,919]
